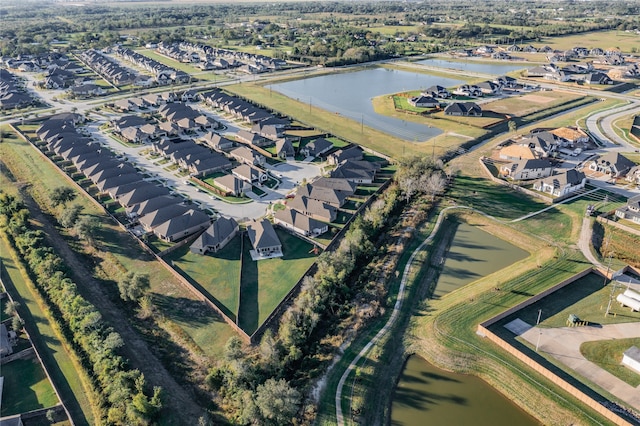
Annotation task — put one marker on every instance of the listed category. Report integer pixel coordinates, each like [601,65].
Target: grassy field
[522,105]
[26,387]
[607,354]
[602,39]
[266,282]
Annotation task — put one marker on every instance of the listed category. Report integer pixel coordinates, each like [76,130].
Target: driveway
[564,345]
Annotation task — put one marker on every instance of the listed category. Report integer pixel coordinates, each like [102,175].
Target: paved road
[564,345]
[606,119]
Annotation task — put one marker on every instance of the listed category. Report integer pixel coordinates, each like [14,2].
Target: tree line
[120,393]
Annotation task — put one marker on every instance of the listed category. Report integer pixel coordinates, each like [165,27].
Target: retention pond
[428,395]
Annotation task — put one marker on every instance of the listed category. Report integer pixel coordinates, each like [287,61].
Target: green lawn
[266,282]
[26,387]
[607,354]
[54,354]
[217,274]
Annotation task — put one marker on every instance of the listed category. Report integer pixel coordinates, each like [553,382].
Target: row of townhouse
[162,73]
[34,63]
[197,52]
[150,206]
[13,94]
[109,69]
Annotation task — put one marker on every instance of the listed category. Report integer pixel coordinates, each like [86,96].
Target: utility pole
[539,329]
[613,288]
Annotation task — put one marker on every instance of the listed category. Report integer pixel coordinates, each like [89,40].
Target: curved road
[392,318]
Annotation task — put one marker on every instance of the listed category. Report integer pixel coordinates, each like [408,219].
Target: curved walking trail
[394,314]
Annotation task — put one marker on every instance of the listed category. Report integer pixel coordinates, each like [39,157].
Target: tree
[86,228]
[512,126]
[16,323]
[12,308]
[435,184]
[277,401]
[133,286]
[61,195]
[69,215]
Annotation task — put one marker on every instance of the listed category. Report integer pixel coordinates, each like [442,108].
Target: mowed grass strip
[60,365]
[266,282]
[607,354]
[26,387]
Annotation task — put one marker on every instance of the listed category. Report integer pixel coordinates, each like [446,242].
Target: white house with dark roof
[264,240]
[217,235]
[631,211]
[561,184]
[299,223]
[527,169]
[613,163]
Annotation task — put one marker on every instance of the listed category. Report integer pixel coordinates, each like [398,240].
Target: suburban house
[316,148]
[352,153]
[342,185]
[299,223]
[182,226]
[436,92]
[150,205]
[356,171]
[613,163]
[6,348]
[489,88]
[467,109]
[217,142]
[232,185]
[631,358]
[249,173]
[217,235]
[423,102]
[506,82]
[633,175]
[527,169]
[561,184]
[251,138]
[327,195]
[543,143]
[469,90]
[246,155]
[285,149]
[313,208]
[631,211]
[155,218]
[571,135]
[264,240]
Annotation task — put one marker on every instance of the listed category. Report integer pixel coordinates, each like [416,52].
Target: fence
[620,226]
[483,330]
[34,347]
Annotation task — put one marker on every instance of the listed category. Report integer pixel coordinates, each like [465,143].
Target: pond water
[427,395]
[349,94]
[474,66]
[473,254]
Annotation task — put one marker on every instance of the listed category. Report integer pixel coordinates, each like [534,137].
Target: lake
[474,254]
[474,66]
[349,94]
[427,395]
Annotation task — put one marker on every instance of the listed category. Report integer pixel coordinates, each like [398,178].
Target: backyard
[26,387]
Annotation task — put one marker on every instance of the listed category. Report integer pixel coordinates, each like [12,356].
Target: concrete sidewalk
[564,345]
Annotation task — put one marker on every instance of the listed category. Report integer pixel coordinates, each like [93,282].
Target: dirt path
[584,242]
[177,399]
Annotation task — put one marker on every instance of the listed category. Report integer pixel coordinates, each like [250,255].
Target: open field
[602,39]
[607,354]
[26,387]
[520,106]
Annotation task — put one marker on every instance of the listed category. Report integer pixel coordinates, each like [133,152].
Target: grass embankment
[329,122]
[607,354]
[623,244]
